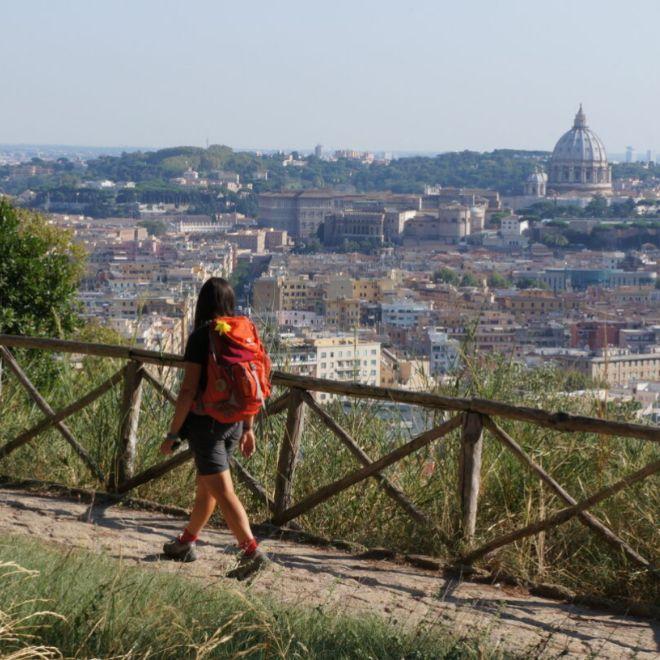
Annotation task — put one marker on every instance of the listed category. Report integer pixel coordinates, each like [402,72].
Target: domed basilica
[578,164]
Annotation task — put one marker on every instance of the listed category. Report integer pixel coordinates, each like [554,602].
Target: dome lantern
[580,119]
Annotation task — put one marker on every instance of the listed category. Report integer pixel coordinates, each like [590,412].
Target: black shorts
[211,442]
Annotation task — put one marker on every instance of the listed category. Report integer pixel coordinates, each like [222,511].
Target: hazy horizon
[431,77]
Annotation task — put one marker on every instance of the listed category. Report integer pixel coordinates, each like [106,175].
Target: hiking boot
[249,565]
[180,551]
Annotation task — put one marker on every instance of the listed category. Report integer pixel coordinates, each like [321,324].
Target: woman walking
[225,383]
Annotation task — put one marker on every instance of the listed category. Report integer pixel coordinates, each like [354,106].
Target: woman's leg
[221,488]
[203,508]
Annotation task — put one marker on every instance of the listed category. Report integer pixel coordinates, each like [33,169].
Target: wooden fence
[472,416]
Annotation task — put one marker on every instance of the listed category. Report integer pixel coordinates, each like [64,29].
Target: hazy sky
[372,74]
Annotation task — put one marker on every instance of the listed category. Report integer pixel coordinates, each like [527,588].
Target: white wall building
[444,353]
[404,313]
[341,357]
[344,358]
[299,318]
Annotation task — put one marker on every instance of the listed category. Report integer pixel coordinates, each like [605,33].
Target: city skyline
[431,78]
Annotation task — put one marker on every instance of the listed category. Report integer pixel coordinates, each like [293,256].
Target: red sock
[187,537]
[248,547]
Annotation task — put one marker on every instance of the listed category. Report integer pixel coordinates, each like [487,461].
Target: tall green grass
[570,555]
[80,605]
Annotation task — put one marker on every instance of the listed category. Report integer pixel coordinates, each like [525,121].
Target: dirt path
[339,582]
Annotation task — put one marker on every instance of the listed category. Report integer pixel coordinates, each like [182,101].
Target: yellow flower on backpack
[222,327]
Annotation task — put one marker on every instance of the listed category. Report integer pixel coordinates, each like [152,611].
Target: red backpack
[237,371]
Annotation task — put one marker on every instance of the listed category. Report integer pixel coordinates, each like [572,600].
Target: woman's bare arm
[248,441]
[184,401]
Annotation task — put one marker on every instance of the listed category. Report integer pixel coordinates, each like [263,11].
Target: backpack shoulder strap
[213,344]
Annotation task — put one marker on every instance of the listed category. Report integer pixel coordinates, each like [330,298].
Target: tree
[446,276]
[40,267]
[530,283]
[596,208]
[469,280]
[498,281]
[154,227]
[496,218]
[308,246]
[555,240]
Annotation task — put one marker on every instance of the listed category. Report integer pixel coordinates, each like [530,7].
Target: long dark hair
[216,298]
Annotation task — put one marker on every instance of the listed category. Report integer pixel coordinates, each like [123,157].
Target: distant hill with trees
[60,183]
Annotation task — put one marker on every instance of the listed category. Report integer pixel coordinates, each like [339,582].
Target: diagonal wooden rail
[43,405]
[51,420]
[472,416]
[395,493]
[584,516]
[326,492]
[565,514]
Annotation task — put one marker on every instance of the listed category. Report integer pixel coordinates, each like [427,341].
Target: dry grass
[106,609]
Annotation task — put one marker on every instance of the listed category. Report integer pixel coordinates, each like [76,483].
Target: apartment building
[301,213]
[435,196]
[595,335]
[376,289]
[194,224]
[579,279]
[354,226]
[336,357]
[286,293]
[300,319]
[349,359]
[639,340]
[620,369]
[342,314]
[405,313]
[253,240]
[444,352]
[536,303]
[449,225]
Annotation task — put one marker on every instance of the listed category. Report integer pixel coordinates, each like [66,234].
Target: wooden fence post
[128,424]
[469,478]
[286,463]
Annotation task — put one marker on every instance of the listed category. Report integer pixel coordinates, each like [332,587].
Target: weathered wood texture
[559,421]
[585,517]
[98,350]
[154,472]
[326,492]
[60,415]
[286,463]
[252,484]
[164,391]
[469,471]
[395,493]
[564,515]
[129,419]
[164,467]
[45,408]
[274,407]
